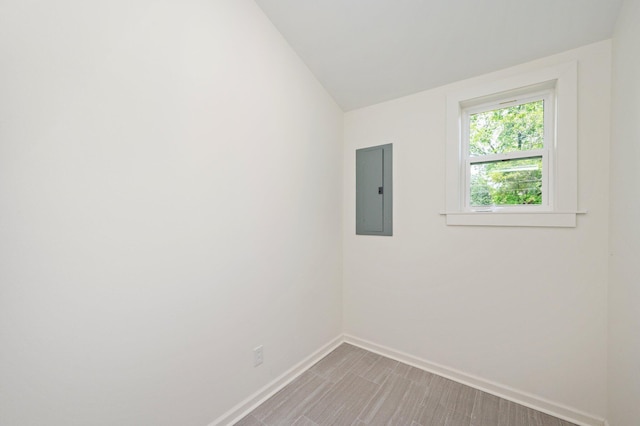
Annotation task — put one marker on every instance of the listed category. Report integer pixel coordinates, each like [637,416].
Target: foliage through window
[506,148]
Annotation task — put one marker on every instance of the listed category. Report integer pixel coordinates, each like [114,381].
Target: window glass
[513,128]
[506,182]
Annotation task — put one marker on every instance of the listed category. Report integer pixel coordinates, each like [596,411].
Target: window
[505,143]
[512,151]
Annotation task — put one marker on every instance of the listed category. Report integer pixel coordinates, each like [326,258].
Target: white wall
[170,183]
[522,307]
[624,287]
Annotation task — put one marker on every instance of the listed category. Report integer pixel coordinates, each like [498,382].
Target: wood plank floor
[352,386]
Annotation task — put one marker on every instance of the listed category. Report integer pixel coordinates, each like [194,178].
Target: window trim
[561,205]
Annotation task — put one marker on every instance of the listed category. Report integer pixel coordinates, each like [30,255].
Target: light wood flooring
[352,386]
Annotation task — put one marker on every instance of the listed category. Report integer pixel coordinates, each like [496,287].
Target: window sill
[524,219]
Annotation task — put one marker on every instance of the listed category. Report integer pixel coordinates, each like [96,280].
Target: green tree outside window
[514,181]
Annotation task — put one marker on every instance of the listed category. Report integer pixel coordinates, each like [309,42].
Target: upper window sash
[546,96]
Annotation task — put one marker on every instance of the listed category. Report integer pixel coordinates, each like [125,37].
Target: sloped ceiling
[368,51]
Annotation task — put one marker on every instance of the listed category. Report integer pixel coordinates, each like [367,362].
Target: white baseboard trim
[532,401]
[245,407]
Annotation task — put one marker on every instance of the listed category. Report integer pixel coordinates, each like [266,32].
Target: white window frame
[558,86]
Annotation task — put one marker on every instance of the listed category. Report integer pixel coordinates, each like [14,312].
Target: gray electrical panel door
[374,190]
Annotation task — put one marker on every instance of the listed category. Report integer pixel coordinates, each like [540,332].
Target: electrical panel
[374,190]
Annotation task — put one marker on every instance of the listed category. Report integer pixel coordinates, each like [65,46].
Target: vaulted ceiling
[368,51]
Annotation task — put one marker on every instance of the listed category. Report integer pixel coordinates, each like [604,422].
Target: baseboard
[532,401]
[245,407]
[537,403]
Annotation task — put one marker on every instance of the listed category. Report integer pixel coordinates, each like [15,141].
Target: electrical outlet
[257,356]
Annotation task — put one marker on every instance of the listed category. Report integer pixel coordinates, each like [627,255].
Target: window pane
[515,128]
[510,182]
